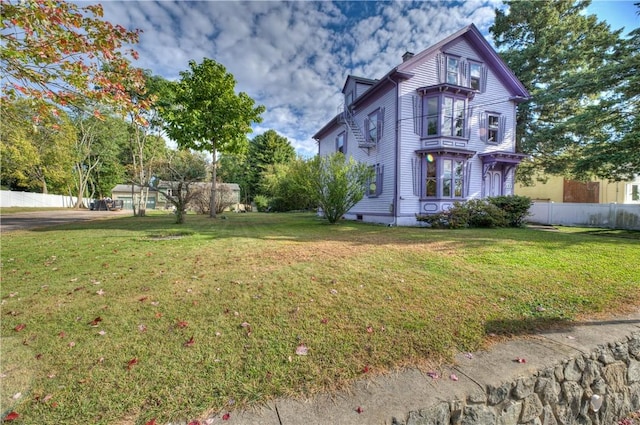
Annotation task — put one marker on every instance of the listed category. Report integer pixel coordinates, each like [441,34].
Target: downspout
[396,201]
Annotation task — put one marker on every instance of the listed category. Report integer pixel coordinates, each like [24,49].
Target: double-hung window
[493,127]
[372,135]
[453,70]
[340,142]
[475,75]
[374,183]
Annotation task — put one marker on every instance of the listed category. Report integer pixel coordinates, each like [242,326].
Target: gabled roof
[471,33]
[482,46]
[362,80]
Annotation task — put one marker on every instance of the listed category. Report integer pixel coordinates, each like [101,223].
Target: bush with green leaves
[499,211]
[262,203]
[515,207]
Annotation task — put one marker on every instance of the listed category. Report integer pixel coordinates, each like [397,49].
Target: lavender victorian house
[438,128]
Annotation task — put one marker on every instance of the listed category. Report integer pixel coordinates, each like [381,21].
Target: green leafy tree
[36,152]
[266,150]
[208,115]
[336,184]
[234,168]
[180,171]
[283,183]
[58,53]
[575,67]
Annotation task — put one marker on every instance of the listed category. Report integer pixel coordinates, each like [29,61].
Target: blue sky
[293,57]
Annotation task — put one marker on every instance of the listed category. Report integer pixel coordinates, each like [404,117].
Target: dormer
[355,87]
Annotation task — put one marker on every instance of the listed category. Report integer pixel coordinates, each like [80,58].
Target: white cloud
[292,57]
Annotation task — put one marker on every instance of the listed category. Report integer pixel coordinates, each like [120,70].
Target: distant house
[558,189]
[157,200]
[437,128]
[126,194]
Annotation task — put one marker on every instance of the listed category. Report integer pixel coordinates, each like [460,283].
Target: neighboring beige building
[156,200]
[559,189]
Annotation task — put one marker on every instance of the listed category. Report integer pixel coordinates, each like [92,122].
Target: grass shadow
[528,326]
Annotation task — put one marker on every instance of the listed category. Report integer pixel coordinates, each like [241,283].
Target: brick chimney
[407,56]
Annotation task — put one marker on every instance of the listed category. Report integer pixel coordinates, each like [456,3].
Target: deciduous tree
[208,115]
[336,183]
[575,67]
[58,53]
[36,152]
[179,172]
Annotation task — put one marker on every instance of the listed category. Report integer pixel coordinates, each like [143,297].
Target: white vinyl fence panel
[35,200]
[615,216]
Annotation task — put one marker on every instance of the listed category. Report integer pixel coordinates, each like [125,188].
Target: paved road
[36,219]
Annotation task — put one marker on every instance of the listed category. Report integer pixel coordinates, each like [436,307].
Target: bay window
[443,177]
[445,115]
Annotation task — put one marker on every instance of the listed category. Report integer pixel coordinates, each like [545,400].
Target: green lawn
[129,319]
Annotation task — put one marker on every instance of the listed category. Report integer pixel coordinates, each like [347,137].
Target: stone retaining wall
[556,395]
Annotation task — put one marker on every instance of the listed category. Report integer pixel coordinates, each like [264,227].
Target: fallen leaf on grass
[72,344]
[20,327]
[194,423]
[469,355]
[453,377]
[47,398]
[226,416]
[151,422]
[190,342]
[16,396]
[61,335]
[95,321]
[302,350]
[131,363]
[142,328]
[142,299]
[100,292]
[11,417]
[370,329]
[359,410]
[433,375]
[102,333]
[366,369]
[520,360]
[324,321]
[182,324]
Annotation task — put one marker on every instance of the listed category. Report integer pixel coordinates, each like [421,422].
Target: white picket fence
[36,200]
[614,216]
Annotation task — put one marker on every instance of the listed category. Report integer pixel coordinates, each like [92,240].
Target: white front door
[493,183]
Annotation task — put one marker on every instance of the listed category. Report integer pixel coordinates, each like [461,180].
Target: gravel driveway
[36,219]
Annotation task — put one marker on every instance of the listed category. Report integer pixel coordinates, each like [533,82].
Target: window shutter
[503,127]
[483,80]
[415,168]
[367,135]
[469,116]
[417,115]
[380,123]
[484,128]
[379,179]
[441,64]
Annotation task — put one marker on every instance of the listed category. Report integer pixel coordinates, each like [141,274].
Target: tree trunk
[212,203]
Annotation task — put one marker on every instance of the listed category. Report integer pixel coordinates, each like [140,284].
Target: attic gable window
[453,70]
[475,75]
